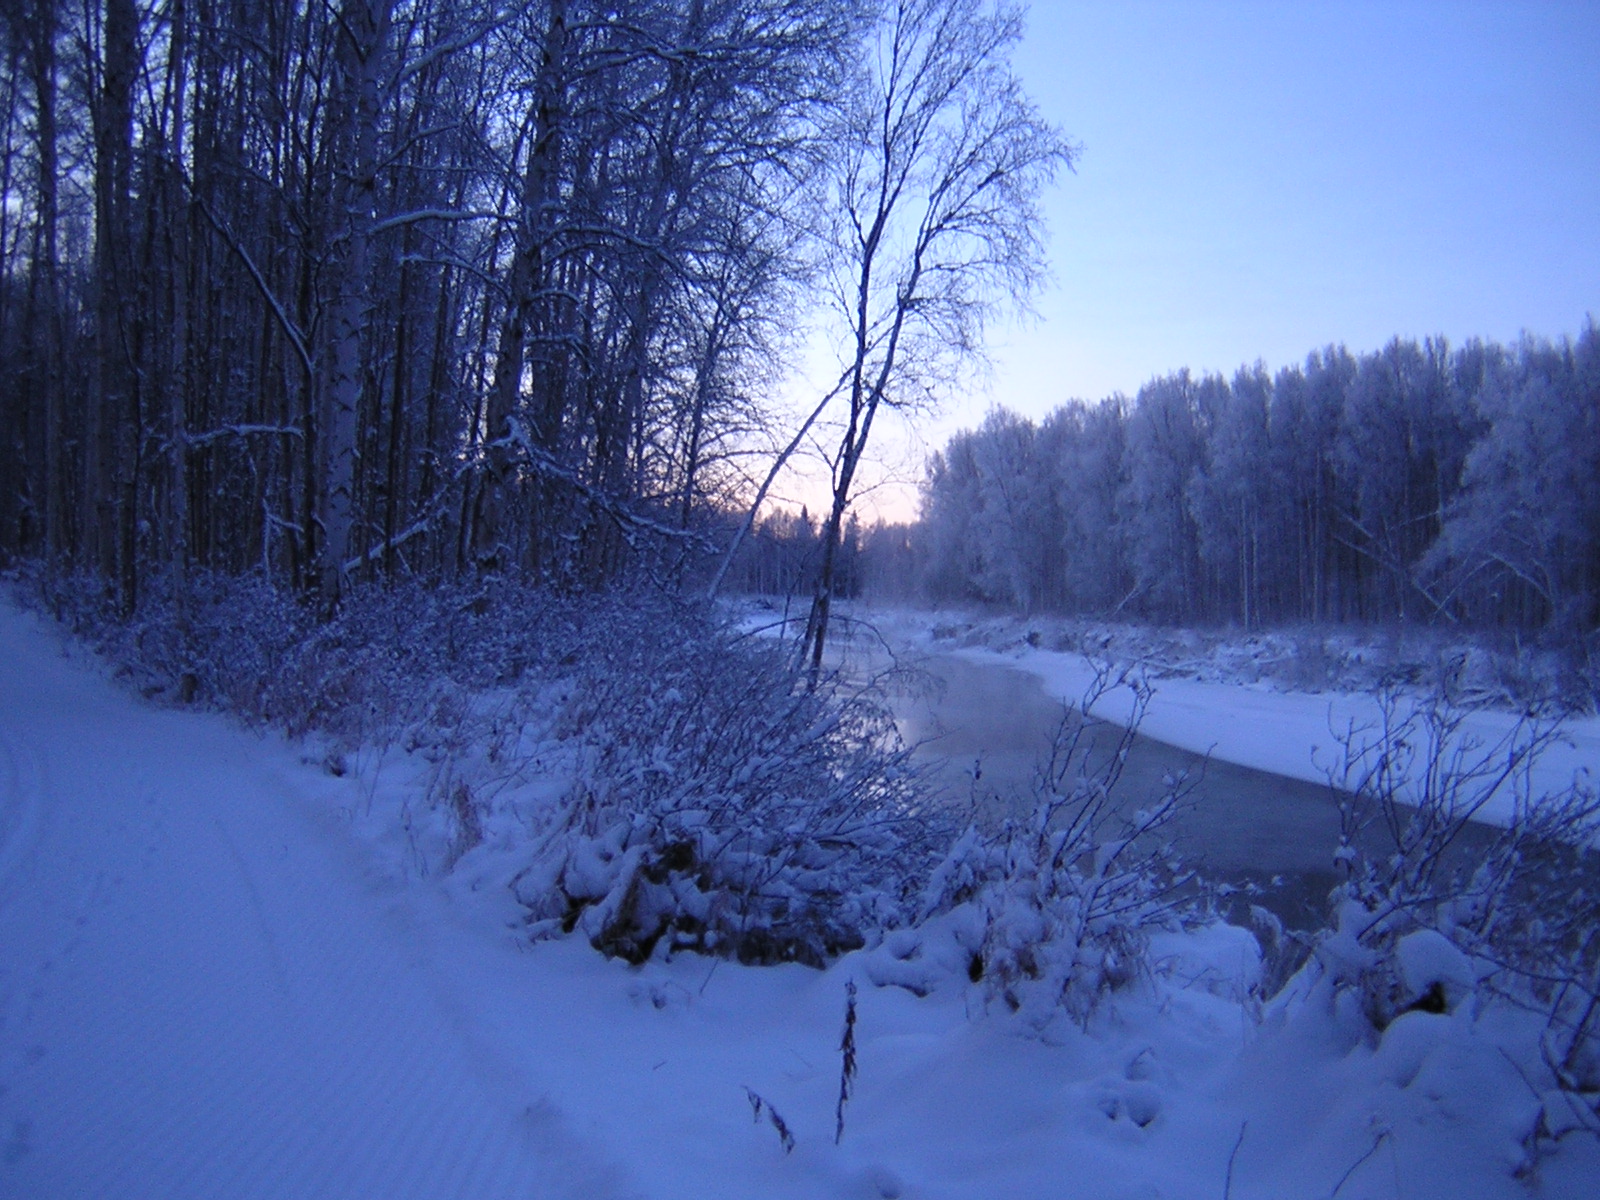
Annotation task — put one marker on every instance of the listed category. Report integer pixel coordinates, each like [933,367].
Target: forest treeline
[334,291]
[329,290]
[337,291]
[1417,483]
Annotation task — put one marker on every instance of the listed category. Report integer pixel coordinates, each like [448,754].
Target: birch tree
[364,27]
[1164,444]
[942,158]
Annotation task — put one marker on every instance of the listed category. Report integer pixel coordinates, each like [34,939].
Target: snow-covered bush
[722,803]
[225,643]
[1437,910]
[373,670]
[1059,906]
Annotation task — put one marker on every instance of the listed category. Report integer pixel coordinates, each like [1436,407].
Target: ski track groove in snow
[199,994]
[21,811]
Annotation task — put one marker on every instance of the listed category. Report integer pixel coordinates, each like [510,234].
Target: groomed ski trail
[203,990]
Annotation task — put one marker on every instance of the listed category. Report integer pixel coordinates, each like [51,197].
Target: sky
[1259,179]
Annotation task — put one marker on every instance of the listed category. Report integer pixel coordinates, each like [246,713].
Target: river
[983,730]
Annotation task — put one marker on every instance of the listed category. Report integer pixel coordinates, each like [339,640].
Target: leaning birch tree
[936,220]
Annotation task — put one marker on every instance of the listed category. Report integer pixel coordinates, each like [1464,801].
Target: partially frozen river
[986,728]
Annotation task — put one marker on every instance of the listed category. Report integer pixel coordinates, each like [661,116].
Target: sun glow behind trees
[399,286]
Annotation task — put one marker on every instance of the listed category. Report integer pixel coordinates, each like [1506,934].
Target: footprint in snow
[1135,1101]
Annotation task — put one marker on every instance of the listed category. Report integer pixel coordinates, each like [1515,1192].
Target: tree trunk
[362,61]
[528,271]
[45,298]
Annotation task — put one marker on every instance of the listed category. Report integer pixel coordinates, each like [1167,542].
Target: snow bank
[1288,733]
[1236,714]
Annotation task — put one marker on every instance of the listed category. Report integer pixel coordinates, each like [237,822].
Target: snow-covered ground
[226,972]
[1234,699]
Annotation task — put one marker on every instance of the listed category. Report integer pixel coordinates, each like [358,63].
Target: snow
[206,992]
[225,971]
[1292,733]
[1428,960]
[1235,716]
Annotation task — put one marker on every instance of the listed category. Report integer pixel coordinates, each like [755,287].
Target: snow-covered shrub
[721,803]
[373,669]
[1063,902]
[1437,910]
[1315,662]
[224,644]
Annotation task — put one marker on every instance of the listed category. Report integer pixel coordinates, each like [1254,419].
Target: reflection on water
[984,730]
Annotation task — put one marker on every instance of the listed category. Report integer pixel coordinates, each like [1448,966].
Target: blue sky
[1261,179]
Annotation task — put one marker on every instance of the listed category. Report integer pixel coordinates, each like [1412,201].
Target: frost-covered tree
[949,491]
[1415,483]
[1164,447]
[1303,430]
[1016,517]
[1522,543]
[935,221]
[1403,438]
[1088,446]
[1231,497]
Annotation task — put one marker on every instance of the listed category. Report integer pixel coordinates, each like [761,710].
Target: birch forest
[1416,483]
[337,291]
[344,289]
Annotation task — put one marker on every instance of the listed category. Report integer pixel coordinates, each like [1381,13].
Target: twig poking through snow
[847,1048]
[1382,1136]
[757,1106]
[1227,1183]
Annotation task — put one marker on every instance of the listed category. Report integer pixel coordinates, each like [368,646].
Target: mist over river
[984,730]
